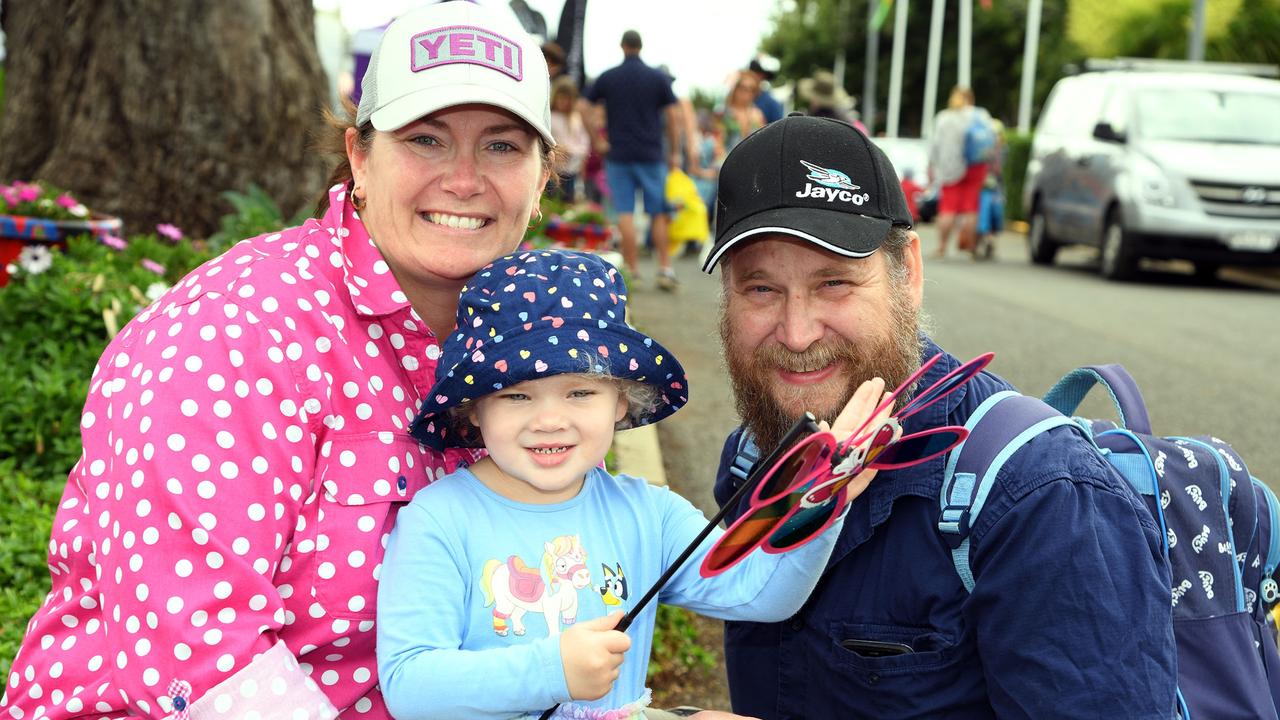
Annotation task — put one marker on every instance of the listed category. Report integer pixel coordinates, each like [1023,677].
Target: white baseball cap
[455,53]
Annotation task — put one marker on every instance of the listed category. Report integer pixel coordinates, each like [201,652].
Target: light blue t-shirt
[468,570]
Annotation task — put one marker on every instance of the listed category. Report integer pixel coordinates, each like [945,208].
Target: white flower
[35,259]
[155,290]
[78,210]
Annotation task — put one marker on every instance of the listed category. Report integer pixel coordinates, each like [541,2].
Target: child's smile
[544,435]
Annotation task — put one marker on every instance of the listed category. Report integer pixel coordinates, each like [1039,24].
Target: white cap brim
[405,109]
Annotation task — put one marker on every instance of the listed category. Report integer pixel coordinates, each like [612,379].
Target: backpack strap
[1066,395]
[745,458]
[1269,590]
[1001,425]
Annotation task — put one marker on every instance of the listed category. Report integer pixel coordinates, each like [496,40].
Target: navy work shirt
[634,96]
[1070,616]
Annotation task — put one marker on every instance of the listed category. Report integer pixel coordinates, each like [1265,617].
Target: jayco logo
[468,45]
[832,185]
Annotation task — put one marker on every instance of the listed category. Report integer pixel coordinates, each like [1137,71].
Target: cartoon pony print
[513,588]
[614,590]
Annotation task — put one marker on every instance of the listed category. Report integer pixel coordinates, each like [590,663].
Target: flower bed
[35,217]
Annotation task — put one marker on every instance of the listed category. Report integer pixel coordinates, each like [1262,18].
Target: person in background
[991,199]
[570,132]
[961,180]
[824,97]
[1069,575]
[246,449]
[635,99]
[911,193]
[554,55]
[740,116]
[504,582]
[765,69]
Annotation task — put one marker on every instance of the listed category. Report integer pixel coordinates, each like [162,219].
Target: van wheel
[1042,247]
[1118,260]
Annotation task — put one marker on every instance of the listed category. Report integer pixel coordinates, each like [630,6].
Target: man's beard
[893,355]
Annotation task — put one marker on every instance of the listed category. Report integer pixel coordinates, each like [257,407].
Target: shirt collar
[373,289]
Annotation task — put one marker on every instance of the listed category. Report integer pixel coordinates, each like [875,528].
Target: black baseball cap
[814,178]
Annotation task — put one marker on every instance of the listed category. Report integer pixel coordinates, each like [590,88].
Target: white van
[1158,164]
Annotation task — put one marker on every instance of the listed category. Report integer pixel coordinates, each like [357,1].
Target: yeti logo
[831,185]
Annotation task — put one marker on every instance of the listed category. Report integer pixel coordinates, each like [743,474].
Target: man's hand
[591,652]
[855,413]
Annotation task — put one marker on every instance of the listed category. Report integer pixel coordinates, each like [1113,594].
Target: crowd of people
[353,468]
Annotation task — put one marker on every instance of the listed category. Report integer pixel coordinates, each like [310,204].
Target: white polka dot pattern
[272,682]
[245,454]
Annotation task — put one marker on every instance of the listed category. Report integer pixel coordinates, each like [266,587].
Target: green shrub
[1015,172]
[254,213]
[53,327]
[27,505]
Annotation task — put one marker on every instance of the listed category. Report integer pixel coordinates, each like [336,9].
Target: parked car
[910,156]
[1158,163]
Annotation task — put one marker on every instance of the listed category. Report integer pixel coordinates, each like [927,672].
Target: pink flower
[153,266]
[113,241]
[28,193]
[67,201]
[170,231]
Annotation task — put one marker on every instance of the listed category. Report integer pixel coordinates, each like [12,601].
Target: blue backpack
[979,139]
[1220,531]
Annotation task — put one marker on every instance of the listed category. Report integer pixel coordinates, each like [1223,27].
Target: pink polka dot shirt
[218,544]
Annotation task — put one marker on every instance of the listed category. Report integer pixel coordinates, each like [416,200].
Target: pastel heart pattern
[573,353]
[557,322]
[530,296]
[500,365]
[566,302]
[583,336]
[634,366]
[524,354]
[540,366]
[442,399]
[470,380]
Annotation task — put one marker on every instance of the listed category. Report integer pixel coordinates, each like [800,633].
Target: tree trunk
[148,109]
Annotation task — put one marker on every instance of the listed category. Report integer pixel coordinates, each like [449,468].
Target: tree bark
[148,109]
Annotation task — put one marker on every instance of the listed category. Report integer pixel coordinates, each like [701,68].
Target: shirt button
[402,483]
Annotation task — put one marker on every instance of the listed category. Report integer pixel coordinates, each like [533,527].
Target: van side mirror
[1104,131]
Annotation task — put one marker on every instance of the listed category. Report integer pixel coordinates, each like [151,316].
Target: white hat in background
[455,53]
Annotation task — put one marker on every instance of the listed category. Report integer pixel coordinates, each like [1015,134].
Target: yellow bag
[689,221]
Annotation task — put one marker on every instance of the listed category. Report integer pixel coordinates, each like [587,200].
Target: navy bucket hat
[537,314]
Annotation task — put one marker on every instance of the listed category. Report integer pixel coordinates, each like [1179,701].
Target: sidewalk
[637,452]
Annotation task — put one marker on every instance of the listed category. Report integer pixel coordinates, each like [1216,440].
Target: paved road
[1204,354]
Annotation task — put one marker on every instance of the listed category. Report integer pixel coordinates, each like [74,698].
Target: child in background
[503,582]
[912,192]
[570,133]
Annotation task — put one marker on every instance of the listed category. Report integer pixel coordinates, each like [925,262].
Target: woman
[218,544]
[741,117]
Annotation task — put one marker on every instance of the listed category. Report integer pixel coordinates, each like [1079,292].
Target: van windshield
[1204,115]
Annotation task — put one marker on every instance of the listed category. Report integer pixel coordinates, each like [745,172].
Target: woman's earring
[357,201]
[537,217]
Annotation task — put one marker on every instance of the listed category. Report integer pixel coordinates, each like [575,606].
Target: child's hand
[852,417]
[591,652]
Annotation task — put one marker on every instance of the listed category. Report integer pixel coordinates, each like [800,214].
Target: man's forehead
[778,255]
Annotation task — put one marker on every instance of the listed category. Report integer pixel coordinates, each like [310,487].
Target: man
[635,98]
[765,69]
[1070,614]
[961,179]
